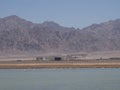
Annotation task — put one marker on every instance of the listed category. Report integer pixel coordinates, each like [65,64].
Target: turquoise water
[60,79]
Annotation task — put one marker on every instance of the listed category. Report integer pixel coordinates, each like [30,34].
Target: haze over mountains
[17,34]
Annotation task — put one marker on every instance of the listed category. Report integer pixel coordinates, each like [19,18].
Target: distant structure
[62,57]
[40,59]
[76,56]
[57,58]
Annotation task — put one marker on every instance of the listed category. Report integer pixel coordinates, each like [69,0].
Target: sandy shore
[57,65]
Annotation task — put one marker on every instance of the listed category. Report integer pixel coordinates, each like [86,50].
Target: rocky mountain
[17,34]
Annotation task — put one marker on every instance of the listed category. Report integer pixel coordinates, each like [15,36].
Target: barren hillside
[17,34]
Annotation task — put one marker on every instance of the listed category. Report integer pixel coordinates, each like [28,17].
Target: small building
[57,58]
[40,58]
[76,56]
[50,58]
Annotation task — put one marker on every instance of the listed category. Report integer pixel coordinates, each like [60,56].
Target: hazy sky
[76,13]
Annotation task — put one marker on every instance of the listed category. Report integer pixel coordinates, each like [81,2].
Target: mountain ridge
[17,34]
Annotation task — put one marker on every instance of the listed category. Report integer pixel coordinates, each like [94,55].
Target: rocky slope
[17,34]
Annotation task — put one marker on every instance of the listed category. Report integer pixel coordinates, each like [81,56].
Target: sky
[69,13]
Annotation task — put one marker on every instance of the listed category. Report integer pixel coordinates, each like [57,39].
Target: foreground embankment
[35,65]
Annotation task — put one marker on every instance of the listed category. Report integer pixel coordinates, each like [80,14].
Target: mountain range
[17,34]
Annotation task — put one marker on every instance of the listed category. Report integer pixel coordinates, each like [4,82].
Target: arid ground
[92,60]
[59,64]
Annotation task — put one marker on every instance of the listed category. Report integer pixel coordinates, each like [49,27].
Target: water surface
[60,79]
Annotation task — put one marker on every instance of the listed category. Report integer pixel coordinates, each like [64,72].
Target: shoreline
[57,65]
